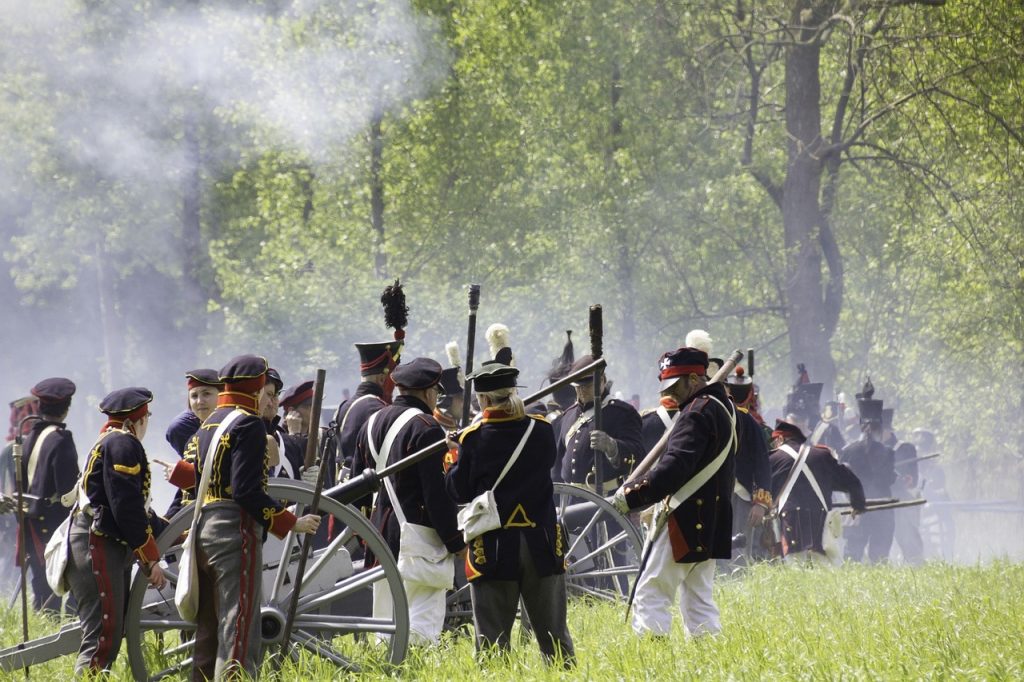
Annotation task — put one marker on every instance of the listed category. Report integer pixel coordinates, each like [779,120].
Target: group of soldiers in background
[716,428]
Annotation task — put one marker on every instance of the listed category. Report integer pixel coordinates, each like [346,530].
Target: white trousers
[662,578]
[426,610]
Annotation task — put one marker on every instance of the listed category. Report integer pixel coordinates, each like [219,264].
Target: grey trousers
[874,532]
[98,575]
[229,556]
[495,603]
[907,532]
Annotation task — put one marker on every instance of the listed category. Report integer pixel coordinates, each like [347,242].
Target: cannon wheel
[603,556]
[335,599]
[603,553]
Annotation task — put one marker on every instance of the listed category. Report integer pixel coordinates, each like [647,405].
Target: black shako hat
[675,364]
[274,377]
[493,376]
[870,411]
[887,413]
[450,385]
[739,385]
[419,374]
[298,394]
[125,400]
[378,357]
[203,377]
[54,391]
[242,368]
[787,431]
[804,400]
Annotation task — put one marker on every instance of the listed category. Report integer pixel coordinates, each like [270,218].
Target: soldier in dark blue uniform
[236,516]
[907,530]
[802,520]
[656,421]
[752,496]
[203,387]
[421,529]
[376,363]
[288,451]
[619,442]
[21,408]
[525,557]
[700,454]
[50,468]
[874,465]
[112,527]
[448,412]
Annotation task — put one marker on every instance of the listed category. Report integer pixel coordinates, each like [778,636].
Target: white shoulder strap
[705,474]
[381,457]
[37,448]
[515,455]
[284,464]
[665,419]
[802,468]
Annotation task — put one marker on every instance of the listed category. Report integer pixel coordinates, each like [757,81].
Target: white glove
[618,500]
[310,474]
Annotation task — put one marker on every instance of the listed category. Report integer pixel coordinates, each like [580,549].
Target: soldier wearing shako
[696,471]
[802,519]
[413,512]
[20,408]
[619,442]
[112,527]
[376,363]
[287,451]
[448,412]
[525,557]
[874,465]
[565,396]
[752,495]
[235,518]
[50,466]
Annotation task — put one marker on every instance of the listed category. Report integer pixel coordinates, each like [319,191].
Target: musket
[918,459]
[16,455]
[597,351]
[869,502]
[474,303]
[307,542]
[369,481]
[654,455]
[899,504]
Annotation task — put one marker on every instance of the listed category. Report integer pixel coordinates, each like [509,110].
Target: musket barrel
[369,481]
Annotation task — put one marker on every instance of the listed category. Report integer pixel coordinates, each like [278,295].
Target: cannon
[333,620]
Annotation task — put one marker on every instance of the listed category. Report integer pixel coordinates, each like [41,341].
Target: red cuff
[148,553]
[183,475]
[280,522]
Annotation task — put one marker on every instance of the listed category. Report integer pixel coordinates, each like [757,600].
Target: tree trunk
[801,211]
[192,253]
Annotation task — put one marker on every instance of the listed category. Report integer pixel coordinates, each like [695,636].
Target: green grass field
[934,622]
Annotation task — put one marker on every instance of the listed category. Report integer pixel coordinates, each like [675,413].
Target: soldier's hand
[599,440]
[156,576]
[756,517]
[307,524]
[168,468]
[293,423]
[618,500]
[310,474]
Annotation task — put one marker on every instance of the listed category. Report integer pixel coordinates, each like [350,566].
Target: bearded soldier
[697,469]
[802,519]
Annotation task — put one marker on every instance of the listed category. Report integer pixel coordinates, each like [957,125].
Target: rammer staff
[474,304]
[597,351]
[314,507]
[16,455]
